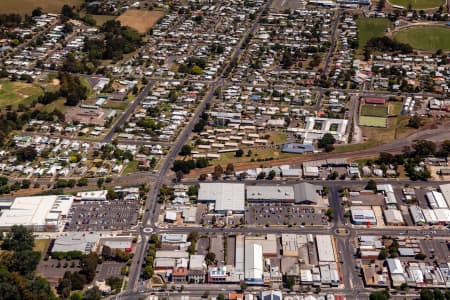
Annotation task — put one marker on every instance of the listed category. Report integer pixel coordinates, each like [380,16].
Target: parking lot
[108,269]
[279,214]
[100,216]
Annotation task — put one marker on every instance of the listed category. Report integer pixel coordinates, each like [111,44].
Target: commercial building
[436,200]
[270,193]
[445,190]
[325,248]
[271,295]
[253,264]
[38,213]
[124,243]
[417,215]
[363,216]
[76,241]
[297,148]
[225,197]
[393,217]
[92,196]
[301,193]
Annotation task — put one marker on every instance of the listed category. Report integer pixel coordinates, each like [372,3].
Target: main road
[151,207]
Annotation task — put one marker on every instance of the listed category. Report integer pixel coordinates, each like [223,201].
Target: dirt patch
[141,20]
[55,81]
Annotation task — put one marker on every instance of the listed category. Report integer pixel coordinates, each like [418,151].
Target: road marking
[148,230]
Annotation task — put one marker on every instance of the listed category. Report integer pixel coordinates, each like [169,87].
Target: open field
[417,4]
[372,121]
[429,38]
[373,110]
[15,93]
[101,19]
[395,108]
[26,6]
[41,245]
[369,28]
[141,20]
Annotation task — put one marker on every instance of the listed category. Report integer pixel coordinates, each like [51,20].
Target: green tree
[93,293]
[326,142]
[426,294]
[239,153]
[186,150]
[371,185]
[424,148]
[414,122]
[379,295]
[19,239]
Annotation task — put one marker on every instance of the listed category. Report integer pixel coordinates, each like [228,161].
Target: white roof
[393,216]
[92,195]
[253,262]
[270,192]
[33,211]
[445,189]
[76,241]
[227,196]
[325,249]
[395,266]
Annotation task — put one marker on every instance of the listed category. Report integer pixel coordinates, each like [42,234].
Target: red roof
[375,100]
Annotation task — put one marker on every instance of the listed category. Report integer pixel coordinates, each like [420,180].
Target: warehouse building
[253,264]
[363,216]
[417,215]
[223,197]
[270,193]
[301,193]
[38,213]
[393,217]
[445,190]
[436,200]
[77,241]
[325,248]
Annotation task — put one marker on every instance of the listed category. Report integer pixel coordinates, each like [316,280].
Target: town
[211,149]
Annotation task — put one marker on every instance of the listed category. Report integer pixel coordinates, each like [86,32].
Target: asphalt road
[124,117]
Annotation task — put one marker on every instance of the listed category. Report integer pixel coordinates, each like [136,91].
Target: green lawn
[15,93]
[417,4]
[372,121]
[374,110]
[429,38]
[369,28]
[131,167]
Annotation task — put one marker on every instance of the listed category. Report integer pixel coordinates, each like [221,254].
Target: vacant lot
[372,121]
[425,38]
[373,110]
[26,6]
[369,28]
[417,4]
[15,93]
[141,20]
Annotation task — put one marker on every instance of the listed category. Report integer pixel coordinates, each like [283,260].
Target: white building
[253,264]
[39,213]
[226,197]
[92,196]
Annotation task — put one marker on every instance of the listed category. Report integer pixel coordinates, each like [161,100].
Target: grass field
[373,110]
[395,108]
[417,4]
[141,20]
[429,38]
[41,245]
[101,19]
[369,28]
[131,167]
[372,121]
[26,6]
[15,93]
